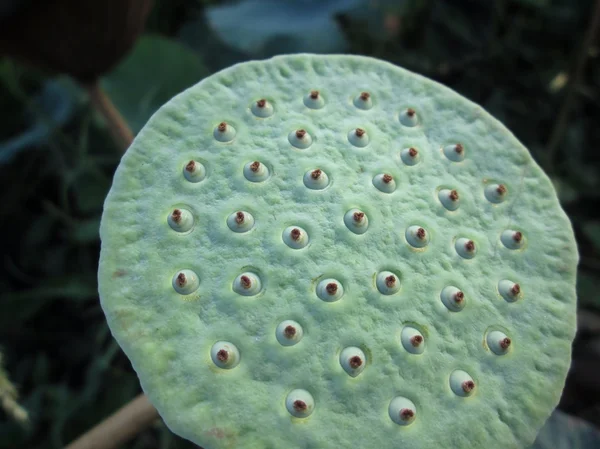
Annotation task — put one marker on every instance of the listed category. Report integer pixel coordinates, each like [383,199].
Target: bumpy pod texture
[459,320]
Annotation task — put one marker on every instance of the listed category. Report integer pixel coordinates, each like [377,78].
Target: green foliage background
[516,58]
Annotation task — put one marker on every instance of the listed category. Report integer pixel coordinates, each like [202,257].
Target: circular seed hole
[300,139]
[498,342]
[300,403]
[314,100]
[224,132]
[185,282]
[363,101]
[316,179]
[465,248]
[240,221]
[194,171]
[417,236]
[247,284]
[356,221]
[412,340]
[509,290]
[358,137]
[455,152]
[384,182]
[289,333]
[453,298]
[512,239]
[402,411]
[262,108]
[295,237]
[353,360]
[410,156]
[495,193]
[461,383]
[181,220]
[449,199]
[409,117]
[225,355]
[255,171]
[387,282]
[330,290]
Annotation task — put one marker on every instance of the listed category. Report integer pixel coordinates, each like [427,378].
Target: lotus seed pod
[314,100]
[289,332]
[461,383]
[363,101]
[353,360]
[181,220]
[300,395]
[194,171]
[225,355]
[262,108]
[295,237]
[387,282]
[256,172]
[384,182]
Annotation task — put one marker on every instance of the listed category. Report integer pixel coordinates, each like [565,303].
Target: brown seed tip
[468,386]
[176,215]
[470,246]
[518,236]
[387,178]
[359,132]
[459,297]
[358,216]
[222,127]
[416,340]
[331,288]
[421,234]
[406,414]
[515,290]
[295,234]
[316,174]
[314,94]
[222,355]
[355,362]
[246,282]
[300,134]
[412,152]
[261,103]
[501,189]
[191,166]
[255,166]
[459,148]
[299,405]
[364,96]
[289,331]
[410,112]
[453,195]
[505,343]
[181,279]
[239,217]
[390,281]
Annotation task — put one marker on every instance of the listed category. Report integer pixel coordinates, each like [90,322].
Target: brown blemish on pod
[517,236]
[255,166]
[410,112]
[358,217]
[295,234]
[458,148]
[300,406]
[390,281]
[406,414]
[505,343]
[300,134]
[387,178]
[190,167]
[181,279]
[239,217]
[470,246]
[412,152]
[459,297]
[468,386]
[355,362]
[421,234]
[290,332]
[501,189]
[261,103]
[223,355]
[222,127]
[416,341]
[316,174]
[246,282]
[453,195]
[515,290]
[176,216]
[331,288]
[359,132]
[314,94]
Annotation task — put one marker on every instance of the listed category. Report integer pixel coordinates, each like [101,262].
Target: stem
[120,427]
[562,121]
[117,125]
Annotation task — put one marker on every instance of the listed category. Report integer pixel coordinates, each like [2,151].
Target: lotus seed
[387,282]
[256,172]
[455,153]
[300,403]
[247,284]
[262,108]
[453,298]
[495,193]
[462,383]
[224,132]
[330,290]
[402,411]
[300,139]
[512,239]
[225,355]
[314,100]
[409,117]
[410,156]
[181,220]
[363,101]
[509,290]
[358,137]
[449,199]
[356,221]
[194,171]
[240,221]
[498,342]
[316,179]
[352,360]
[465,248]
[185,282]
[417,237]
[412,340]
[384,182]
[295,237]
[289,333]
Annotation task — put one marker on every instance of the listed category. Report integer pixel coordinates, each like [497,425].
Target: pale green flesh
[168,337]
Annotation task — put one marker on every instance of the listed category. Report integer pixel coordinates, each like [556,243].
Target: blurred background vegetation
[533,64]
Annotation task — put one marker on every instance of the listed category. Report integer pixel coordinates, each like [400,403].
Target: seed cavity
[289,333]
[455,152]
[384,182]
[225,355]
[410,156]
[387,282]
[449,199]
[495,193]
[409,117]
[353,360]
[358,137]
[316,179]
[240,221]
[465,248]
[417,236]
[461,383]
[330,290]
[295,237]
[262,108]
[299,403]
[314,100]
[498,342]
[402,411]
[412,340]
[224,132]
[356,221]
[300,139]
[194,171]
[512,239]
[363,101]
[247,284]
[185,282]
[180,220]
[453,298]
[256,172]
[509,290]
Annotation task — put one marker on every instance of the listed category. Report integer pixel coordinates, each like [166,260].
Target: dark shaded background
[533,64]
